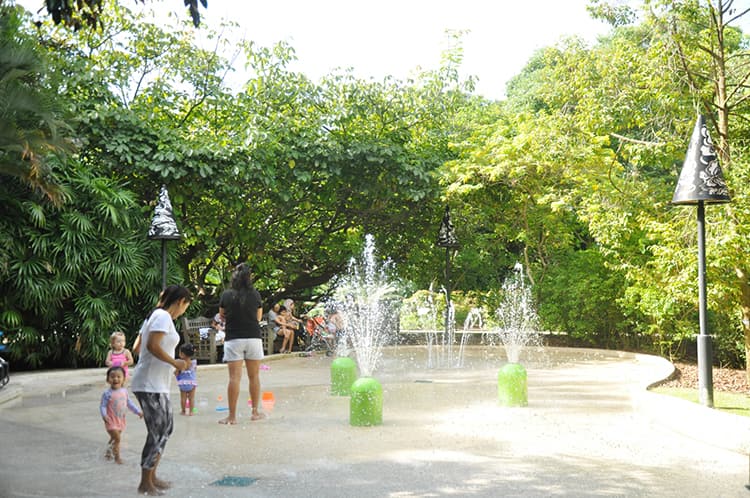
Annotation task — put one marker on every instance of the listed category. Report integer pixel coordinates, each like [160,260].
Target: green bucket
[511,385]
[343,375]
[366,403]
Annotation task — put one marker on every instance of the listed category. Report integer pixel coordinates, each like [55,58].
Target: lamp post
[164,228]
[701,182]
[447,238]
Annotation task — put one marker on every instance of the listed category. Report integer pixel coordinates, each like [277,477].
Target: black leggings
[157,413]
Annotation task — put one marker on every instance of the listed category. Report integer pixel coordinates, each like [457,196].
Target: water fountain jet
[364,293]
[517,329]
[444,349]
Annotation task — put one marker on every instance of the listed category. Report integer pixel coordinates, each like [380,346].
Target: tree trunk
[720,84]
[746,324]
[722,14]
[722,127]
[745,305]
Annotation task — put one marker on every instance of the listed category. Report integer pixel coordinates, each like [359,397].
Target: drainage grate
[235,481]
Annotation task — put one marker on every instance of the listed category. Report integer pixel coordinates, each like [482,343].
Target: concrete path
[590,429]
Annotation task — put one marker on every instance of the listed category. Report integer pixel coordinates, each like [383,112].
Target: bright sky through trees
[393,37]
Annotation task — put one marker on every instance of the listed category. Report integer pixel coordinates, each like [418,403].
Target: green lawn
[739,404]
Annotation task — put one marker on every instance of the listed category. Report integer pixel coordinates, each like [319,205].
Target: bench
[206,349]
[267,335]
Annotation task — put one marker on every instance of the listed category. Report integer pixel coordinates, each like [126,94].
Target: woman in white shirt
[152,381]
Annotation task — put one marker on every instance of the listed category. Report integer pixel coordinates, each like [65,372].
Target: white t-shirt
[151,374]
[272,315]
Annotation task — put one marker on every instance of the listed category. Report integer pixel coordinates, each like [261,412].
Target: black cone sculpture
[163,226]
[701,178]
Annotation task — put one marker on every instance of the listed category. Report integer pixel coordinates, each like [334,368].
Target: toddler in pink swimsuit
[113,407]
[119,355]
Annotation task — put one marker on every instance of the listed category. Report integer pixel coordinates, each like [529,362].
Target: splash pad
[442,433]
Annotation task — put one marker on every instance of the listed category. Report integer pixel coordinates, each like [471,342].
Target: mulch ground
[724,379]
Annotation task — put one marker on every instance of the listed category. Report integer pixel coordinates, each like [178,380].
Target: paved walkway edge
[708,425]
[58,380]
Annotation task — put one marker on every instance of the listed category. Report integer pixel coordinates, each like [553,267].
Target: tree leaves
[88,13]
[29,126]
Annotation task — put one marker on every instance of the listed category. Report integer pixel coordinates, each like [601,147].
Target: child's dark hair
[187,349]
[115,368]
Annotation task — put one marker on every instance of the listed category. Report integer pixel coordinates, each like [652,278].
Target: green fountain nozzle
[511,385]
[366,403]
[343,375]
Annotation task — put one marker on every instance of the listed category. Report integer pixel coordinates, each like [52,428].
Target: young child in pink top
[114,405]
[118,355]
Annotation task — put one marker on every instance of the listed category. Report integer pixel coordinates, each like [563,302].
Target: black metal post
[705,374]
[447,238]
[163,264]
[447,290]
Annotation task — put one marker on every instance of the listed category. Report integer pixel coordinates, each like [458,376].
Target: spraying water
[365,292]
[517,317]
[443,348]
[426,312]
[474,319]
[447,357]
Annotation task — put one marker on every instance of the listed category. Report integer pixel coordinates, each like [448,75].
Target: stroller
[321,339]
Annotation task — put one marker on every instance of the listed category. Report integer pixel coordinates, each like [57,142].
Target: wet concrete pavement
[590,429]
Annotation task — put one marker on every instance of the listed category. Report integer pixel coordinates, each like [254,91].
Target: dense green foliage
[575,175]
[286,174]
[29,119]
[571,176]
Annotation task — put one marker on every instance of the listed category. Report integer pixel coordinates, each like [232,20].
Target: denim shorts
[243,349]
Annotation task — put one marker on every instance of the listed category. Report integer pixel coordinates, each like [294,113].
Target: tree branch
[738,16]
[739,86]
[639,142]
